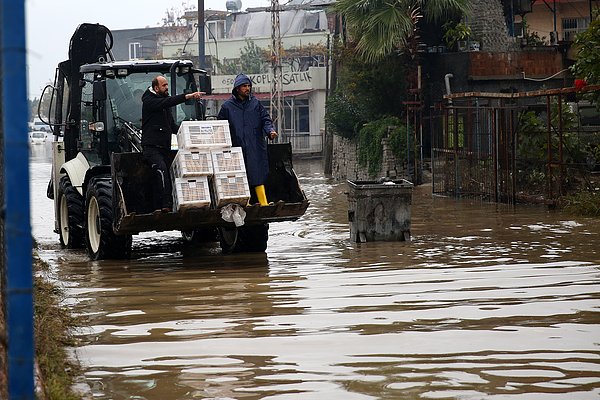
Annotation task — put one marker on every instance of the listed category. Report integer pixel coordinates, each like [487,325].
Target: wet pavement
[486,302]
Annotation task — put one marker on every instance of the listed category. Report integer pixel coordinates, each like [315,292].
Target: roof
[297,4]
[258,24]
[309,3]
[260,96]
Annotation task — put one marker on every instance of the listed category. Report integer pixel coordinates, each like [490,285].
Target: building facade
[304,99]
[559,20]
[136,44]
[304,72]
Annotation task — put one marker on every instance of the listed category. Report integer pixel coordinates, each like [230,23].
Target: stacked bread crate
[230,180]
[192,166]
[205,155]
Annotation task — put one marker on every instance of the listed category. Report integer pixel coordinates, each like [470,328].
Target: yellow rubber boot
[260,194]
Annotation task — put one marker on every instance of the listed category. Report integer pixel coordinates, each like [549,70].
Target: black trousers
[160,160]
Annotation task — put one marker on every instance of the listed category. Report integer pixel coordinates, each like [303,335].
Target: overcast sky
[51,23]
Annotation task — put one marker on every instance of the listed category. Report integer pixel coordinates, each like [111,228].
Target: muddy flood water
[485,302]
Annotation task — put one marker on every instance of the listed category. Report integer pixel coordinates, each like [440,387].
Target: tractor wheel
[253,238]
[70,215]
[199,236]
[101,240]
[245,238]
[228,238]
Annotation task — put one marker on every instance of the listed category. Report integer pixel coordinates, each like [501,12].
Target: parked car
[39,125]
[37,137]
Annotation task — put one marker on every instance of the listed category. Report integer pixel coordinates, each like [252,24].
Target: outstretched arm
[160,103]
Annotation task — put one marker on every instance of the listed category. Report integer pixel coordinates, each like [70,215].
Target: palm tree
[381,27]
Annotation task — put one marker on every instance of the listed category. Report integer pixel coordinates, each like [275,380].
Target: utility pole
[201,50]
[276,108]
[17,262]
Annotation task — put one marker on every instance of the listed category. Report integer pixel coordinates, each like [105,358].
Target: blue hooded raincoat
[250,124]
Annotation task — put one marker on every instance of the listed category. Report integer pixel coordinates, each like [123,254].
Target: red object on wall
[580,84]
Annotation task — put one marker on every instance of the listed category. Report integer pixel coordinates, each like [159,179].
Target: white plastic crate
[191,163]
[231,188]
[201,134]
[191,193]
[228,160]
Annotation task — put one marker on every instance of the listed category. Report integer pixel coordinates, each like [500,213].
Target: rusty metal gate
[513,147]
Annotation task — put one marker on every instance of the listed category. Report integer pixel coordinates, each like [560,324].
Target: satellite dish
[233,5]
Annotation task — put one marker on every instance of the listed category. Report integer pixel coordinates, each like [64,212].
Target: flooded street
[486,302]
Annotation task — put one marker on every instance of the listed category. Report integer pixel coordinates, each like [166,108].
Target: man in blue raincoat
[250,125]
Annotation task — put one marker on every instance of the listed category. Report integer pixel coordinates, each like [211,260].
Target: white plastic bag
[233,213]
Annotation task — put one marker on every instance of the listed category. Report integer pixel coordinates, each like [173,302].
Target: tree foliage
[533,149]
[174,16]
[252,61]
[587,43]
[365,92]
[344,115]
[42,109]
[176,28]
[382,27]
[455,32]
[299,58]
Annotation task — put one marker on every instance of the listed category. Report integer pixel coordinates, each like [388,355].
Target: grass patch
[53,325]
[583,203]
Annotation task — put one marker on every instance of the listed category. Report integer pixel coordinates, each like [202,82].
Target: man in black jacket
[157,127]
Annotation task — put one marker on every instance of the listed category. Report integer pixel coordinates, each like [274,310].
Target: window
[518,32]
[89,143]
[302,124]
[135,50]
[296,117]
[572,26]
[287,117]
[215,30]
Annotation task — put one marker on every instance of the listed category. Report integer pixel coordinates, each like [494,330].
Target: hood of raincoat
[240,80]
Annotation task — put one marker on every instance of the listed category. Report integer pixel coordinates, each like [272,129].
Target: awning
[260,96]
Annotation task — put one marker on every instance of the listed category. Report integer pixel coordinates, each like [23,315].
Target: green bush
[587,65]
[343,116]
[370,149]
[532,145]
[364,91]
[398,142]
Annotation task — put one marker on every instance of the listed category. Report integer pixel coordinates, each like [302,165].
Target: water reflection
[486,301]
[41,152]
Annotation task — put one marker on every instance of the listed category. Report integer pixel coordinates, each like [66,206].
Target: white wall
[314,78]
[231,48]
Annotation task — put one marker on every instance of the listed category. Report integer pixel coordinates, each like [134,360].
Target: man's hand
[272,135]
[195,95]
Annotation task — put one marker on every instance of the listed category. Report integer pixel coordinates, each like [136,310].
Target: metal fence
[531,147]
[303,143]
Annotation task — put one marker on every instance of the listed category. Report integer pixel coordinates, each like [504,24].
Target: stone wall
[345,162]
[488,25]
